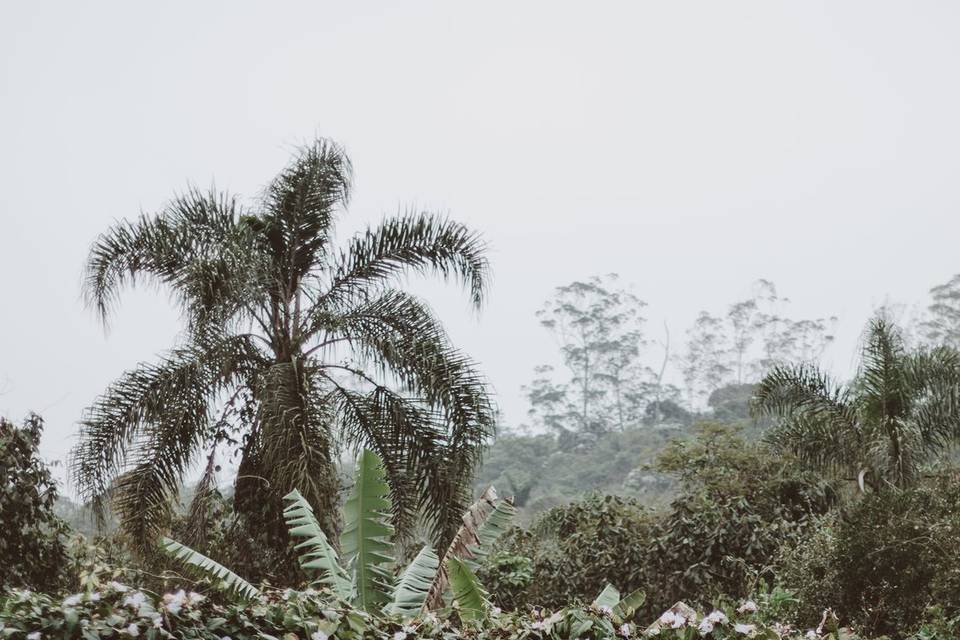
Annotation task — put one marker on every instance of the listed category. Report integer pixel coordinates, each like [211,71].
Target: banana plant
[361,574]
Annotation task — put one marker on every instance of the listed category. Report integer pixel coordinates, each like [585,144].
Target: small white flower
[318,635]
[811,634]
[605,610]
[717,617]
[626,630]
[33,635]
[173,602]
[194,598]
[668,618]
[748,607]
[137,600]
[538,625]
[745,629]
[705,626]
[496,611]
[400,635]
[95,596]
[157,621]
[116,586]
[72,601]
[133,630]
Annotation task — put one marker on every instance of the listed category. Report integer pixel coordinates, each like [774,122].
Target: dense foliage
[901,411]
[737,504]
[31,546]
[120,611]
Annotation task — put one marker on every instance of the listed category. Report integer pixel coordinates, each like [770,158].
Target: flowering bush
[122,612]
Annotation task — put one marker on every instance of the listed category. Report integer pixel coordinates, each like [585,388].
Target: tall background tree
[740,346]
[598,325]
[293,349]
[941,324]
[899,413]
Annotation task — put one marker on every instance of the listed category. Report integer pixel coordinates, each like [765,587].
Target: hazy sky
[691,147]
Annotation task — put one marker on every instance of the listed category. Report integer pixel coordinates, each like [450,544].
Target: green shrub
[572,551]
[738,504]
[119,612]
[31,547]
[898,553]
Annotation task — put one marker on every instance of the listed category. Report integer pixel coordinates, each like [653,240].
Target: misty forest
[317,455]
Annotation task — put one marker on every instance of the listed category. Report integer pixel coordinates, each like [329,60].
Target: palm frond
[319,555]
[228,580]
[423,243]
[163,248]
[301,203]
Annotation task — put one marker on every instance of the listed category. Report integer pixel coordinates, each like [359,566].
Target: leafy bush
[121,612]
[572,551]
[737,505]
[31,550]
[893,555]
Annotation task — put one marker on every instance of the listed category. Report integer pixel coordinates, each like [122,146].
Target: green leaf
[320,556]
[469,596]
[230,581]
[413,585]
[490,530]
[608,598]
[629,604]
[365,540]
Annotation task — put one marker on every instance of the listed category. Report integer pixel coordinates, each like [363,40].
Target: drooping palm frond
[190,247]
[365,541]
[421,243]
[413,585]
[608,598]
[228,579]
[155,416]
[318,555]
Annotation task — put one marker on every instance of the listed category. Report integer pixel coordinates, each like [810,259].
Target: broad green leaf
[229,580]
[413,585]
[320,556]
[608,598]
[365,540]
[469,596]
[629,604]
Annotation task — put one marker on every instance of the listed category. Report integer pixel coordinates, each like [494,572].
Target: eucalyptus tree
[941,324]
[598,325]
[899,413]
[293,348]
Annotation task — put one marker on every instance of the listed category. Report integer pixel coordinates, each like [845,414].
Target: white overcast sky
[691,147]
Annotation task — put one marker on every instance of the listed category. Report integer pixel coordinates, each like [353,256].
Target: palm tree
[901,410]
[293,350]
